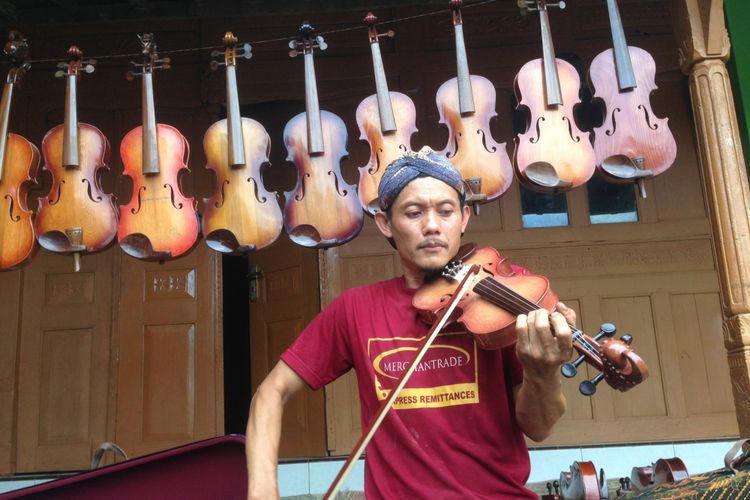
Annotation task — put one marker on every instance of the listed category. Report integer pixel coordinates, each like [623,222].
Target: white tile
[546,465]
[294,479]
[702,457]
[323,473]
[618,461]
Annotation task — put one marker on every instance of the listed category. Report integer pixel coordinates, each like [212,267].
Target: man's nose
[431,223]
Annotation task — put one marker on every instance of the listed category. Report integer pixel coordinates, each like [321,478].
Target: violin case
[209,469]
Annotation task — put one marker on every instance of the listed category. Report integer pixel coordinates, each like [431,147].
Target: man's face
[426,224]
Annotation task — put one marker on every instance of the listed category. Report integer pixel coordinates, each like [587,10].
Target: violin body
[76,199]
[159,221]
[17,236]
[384,148]
[491,326]
[630,127]
[471,147]
[581,483]
[552,154]
[242,214]
[322,210]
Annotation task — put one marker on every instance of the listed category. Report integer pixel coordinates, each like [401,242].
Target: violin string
[521,305]
[467,5]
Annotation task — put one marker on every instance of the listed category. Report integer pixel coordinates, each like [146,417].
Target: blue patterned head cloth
[424,163]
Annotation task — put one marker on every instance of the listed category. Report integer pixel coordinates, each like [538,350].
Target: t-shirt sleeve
[322,351]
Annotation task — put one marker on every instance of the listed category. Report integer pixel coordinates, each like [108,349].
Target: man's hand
[545,340]
[544,343]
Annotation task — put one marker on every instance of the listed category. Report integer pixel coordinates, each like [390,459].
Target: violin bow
[359,448]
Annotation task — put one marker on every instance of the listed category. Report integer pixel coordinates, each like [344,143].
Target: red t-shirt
[452,431]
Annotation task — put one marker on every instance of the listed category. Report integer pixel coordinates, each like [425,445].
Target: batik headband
[424,163]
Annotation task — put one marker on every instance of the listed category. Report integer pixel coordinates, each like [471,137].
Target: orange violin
[159,222]
[632,143]
[322,210]
[386,120]
[76,216]
[19,164]
[241,216]
[467,104]
[498,296]
[552,155]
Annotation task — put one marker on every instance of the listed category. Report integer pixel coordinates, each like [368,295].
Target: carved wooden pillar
[704,48]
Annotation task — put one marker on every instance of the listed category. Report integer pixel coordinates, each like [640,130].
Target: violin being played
[432,399]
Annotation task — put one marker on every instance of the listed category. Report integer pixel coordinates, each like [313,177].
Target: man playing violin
[457,429]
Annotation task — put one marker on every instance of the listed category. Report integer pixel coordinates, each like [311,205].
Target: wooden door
[286,299]
[169,377]
[64,361]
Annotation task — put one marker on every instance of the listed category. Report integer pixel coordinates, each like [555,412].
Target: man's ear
[381,220]
[466,212]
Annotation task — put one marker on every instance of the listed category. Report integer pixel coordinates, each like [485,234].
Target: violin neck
[551,79]
[150,164]
[70,128]
[4,118]
[235,139]
[463,79]
[623,64]
[312,109]
[385,107]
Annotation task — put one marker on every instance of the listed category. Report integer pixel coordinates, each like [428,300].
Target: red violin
[498,295]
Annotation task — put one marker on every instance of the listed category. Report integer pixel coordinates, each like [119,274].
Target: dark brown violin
[499,295]
[19,164]
[632,143]
[386,121]
[322,210]
[552,154]
[76,216]
[159,222]
[241,216]
[466,105]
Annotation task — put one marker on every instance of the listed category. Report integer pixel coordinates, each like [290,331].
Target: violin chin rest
[58,241]
[624,168]
[305,235]
[224,241]
[138,245]
[544,176]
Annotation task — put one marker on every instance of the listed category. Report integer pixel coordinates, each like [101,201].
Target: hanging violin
[19,164]
[76,216]
[386,120]
[466,105]
[159,222]
[241,216]
[322,210]
[632,143]
[552,155]
[498,296]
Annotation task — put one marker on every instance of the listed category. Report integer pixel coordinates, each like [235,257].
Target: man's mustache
[432,242]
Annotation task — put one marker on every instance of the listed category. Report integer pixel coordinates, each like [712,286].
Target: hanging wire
[273,40]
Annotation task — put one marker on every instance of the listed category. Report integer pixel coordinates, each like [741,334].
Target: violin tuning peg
[292,44]
[166,60]
[59,74]
[130,75]
[214,65]
[605,330]
[293,53]
[570,370]
[588,387]
[216,53]
[247,51]
[628,339]
[62,65]
[89,68]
